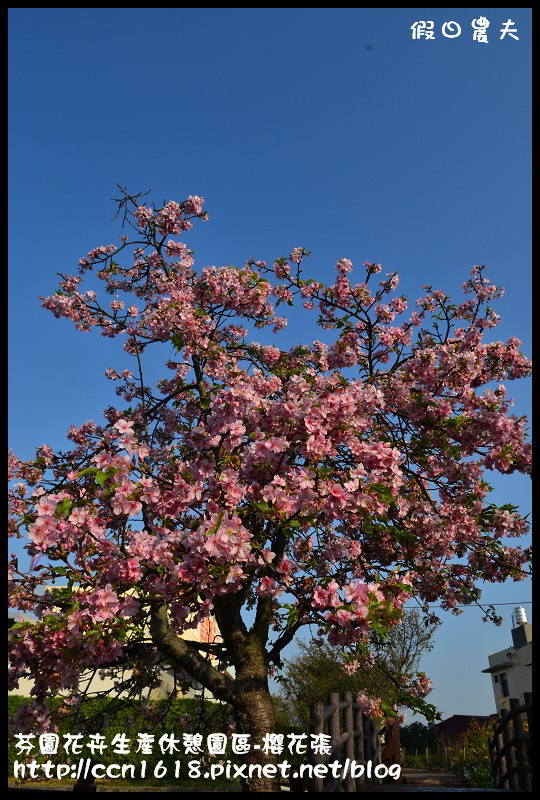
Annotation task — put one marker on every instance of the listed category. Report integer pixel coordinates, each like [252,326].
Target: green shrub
[130,721]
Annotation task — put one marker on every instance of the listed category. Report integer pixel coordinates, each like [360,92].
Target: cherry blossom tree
[314,487]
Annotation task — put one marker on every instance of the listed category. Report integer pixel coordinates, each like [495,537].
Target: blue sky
[324,128]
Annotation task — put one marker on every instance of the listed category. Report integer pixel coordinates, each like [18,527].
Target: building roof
[499,666]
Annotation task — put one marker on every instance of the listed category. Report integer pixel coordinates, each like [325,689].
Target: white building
[511,668]
[91,682]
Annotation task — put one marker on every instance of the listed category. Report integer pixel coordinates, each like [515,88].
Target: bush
[204,717]
[469,755]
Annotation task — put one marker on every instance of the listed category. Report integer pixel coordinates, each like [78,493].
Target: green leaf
[87,471]
[17,625]
[63,508]
[215,528]
[121,633]
[292,617]
[383,491]
[380,629]
[101,477]
[406,588]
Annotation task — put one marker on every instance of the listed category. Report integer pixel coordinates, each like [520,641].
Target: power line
[471,605]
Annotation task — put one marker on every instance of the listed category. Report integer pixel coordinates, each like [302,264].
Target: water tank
[520,616]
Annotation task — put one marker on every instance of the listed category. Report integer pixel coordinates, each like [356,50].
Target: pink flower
[296,255]
[124,426]
[344,266]
[103,603]
[338,492]
[195,204]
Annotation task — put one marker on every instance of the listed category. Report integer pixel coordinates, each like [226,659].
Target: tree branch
[219,683]
[286,638]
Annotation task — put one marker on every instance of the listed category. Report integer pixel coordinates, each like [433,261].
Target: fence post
[354,738]
[367,738]
[513,781]
[333,724]
[349,744]
[392,749]
[317,727]
[375,753]
[527,697]
[502,765]
[334,728]
[359,749]
[378,744]
[524,778]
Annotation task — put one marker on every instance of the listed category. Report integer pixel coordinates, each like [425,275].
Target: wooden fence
[510,748]
[355,737]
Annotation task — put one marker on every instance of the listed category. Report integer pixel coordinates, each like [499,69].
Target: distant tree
[417,736]
[319,669]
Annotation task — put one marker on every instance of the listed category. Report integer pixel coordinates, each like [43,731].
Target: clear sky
[330,129]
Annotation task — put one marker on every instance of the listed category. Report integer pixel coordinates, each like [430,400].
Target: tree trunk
[248,692]
[254,715]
